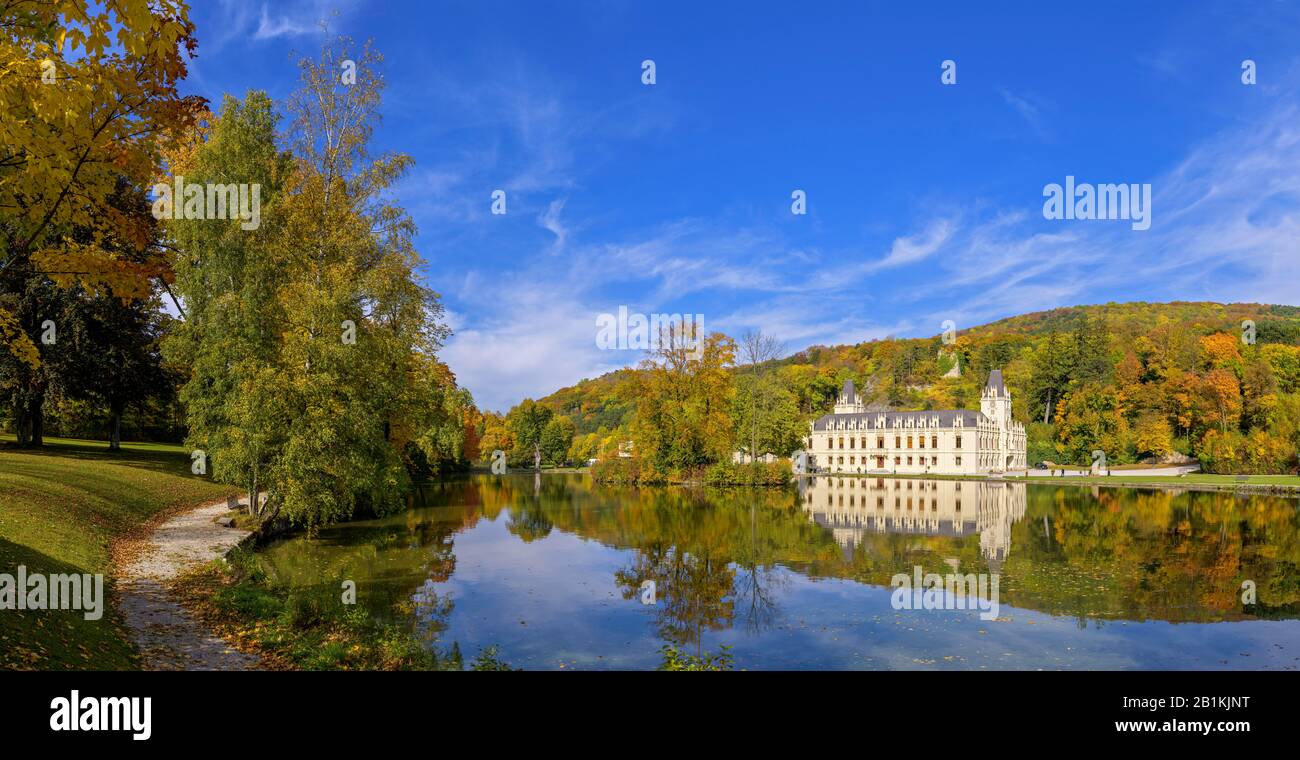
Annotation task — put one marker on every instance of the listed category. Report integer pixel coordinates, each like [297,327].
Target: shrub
[488,660]
[626,471]
[767,474]
[677,660]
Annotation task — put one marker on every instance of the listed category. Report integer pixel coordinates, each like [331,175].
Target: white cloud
[550,220]
[1030,109]
[915,248]
[303,20]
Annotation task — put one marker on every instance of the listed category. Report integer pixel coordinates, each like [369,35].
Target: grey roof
[995,382]
[849,391]
[946,417]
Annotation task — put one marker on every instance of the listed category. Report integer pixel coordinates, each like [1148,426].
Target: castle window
[909,463]
[921,442]
[898,442]
[851,442]
[959,446]
[897,460]
[959,461]
[934,441]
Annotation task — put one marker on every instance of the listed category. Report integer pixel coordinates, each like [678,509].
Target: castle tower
[995,401]
[848,402]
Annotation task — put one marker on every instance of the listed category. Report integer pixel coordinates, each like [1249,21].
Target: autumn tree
[527,422]
[757,390]
[1219,395]
[231,334]
[313,342]
[1152,436]
[88,93]
[495,435]
[556,439]
[683,400]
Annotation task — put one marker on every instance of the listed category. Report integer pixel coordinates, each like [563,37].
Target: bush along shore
[633,471]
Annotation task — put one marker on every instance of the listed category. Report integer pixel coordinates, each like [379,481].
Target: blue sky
[924,201]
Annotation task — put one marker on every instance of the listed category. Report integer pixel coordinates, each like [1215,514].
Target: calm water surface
[551,571]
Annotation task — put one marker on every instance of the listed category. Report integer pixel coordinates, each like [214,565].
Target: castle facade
[935,442]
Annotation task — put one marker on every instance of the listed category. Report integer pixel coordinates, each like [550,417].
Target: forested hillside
[1219,382]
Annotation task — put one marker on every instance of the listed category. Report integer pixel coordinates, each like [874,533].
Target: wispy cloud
[915,248]
[269,28]
[550,221]
[1030,109]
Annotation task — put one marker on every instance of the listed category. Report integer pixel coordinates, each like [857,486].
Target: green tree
[526,423]
[557,437]
[313,343]
[236,397]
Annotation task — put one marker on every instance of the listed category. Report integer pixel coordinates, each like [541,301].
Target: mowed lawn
[1198,478]
[60,509]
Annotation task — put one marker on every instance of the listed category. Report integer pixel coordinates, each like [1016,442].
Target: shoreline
[1174,482]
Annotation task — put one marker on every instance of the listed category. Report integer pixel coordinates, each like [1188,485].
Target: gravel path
[167,635]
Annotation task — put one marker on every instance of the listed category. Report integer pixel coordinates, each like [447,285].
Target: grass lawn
[1197,478]
[60,509]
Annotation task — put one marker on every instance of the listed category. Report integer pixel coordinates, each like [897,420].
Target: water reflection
[551,569]
[851,507]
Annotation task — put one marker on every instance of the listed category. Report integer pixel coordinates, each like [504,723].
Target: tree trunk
[254,508]
[115,426]
[22,429]
[1047,409]
[36,419]
[537,457]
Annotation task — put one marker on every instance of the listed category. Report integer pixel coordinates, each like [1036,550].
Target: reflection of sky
[554,602]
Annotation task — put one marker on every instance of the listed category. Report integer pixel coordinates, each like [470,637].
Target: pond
[558,572]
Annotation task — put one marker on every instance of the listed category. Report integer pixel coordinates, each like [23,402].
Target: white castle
[945,442]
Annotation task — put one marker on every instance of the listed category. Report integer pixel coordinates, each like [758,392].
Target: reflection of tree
[381,556]
[756,581]
[529,523]
[756,587]
[692,593]
[1169,555]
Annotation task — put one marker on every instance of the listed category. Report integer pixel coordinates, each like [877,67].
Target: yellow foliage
[14,339]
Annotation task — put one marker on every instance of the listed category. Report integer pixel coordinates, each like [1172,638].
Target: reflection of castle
[851,507]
